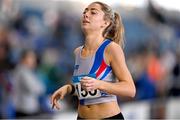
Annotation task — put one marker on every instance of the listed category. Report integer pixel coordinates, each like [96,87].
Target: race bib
[83,94]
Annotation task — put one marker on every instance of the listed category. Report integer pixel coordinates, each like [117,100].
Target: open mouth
[85,21]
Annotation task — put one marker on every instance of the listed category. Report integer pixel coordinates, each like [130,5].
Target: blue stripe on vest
[99,56]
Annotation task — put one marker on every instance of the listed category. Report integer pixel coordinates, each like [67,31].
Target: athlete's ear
[106,23]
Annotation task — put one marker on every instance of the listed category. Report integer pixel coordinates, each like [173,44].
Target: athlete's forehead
[94,6]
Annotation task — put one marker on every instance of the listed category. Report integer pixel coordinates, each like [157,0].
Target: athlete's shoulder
[114,48]
[113,51]
[76,50]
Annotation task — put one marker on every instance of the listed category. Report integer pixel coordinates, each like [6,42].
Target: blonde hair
[115,30]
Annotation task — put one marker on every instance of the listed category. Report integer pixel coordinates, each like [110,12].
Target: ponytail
[118,30]
[115,31]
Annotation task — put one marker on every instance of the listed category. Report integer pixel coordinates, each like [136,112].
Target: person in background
[27,87]
[6,81]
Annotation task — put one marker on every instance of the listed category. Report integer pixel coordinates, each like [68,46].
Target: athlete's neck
[92,42]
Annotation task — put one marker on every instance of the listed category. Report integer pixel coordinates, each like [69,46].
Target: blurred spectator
[145,86]
[175,89]
[155,72]
[27,86]
[6,88]
[54,76]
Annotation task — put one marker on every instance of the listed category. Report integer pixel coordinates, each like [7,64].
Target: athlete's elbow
[132,89]
[132,92]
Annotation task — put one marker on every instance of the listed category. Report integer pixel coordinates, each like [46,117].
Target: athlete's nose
[86,15]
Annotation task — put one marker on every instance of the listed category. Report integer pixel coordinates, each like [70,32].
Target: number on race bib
[83,94]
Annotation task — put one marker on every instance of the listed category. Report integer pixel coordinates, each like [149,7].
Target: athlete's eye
[93,12]
[84,12]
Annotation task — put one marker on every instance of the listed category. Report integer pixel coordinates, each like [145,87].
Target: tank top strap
[78,54]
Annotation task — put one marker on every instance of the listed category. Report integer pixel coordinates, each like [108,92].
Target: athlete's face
[93,18]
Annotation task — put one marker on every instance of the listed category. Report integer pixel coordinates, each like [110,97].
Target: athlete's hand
[89,83]
[58,95]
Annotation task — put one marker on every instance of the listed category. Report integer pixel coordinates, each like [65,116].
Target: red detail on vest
[101,68]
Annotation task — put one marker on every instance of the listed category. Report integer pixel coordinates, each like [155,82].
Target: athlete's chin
[85,27]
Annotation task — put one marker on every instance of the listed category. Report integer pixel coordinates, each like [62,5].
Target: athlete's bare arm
[125,86]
